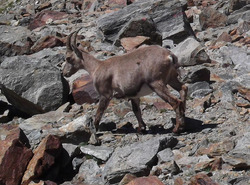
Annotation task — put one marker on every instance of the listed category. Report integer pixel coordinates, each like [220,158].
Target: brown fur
[146,68]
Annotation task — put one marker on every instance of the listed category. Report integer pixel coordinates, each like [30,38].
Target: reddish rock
[117,3]
[161,106]
[224,37]
[14,157]
[201,179]
[131,43]
[44,6]
[127,178]
[211,18]
[44,157]
[83,90]
[178,181]
[146,181]
[47,42]
[43,17]
[217,149]
[190,2]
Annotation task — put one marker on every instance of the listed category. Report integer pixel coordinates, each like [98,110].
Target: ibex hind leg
[182,89]
[161,90]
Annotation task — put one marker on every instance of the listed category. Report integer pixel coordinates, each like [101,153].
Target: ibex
[132,75]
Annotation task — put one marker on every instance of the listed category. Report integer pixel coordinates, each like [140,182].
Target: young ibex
[132,75]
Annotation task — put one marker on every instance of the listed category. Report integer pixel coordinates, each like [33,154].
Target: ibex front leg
[178,105]
[137,111]
[103,104]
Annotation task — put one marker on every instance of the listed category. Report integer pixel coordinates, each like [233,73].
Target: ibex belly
[145,90]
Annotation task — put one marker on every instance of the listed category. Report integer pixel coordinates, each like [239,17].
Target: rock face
[34,80]
[211,39]
[14,157]
[44,157]
[168,17]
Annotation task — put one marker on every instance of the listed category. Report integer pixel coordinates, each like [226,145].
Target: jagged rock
[39,126]
[239,157]
[146,181]
[41,182]
[14,157]
[237,4]
[44,158]
[90,173]
[240,181]
[83,90]
[77,130]
[190,52]
[100,152]
[46,17]
[49,41]
[199,89]
[165,156]
[200,179]
[14,41]
[211,18]
[126,179]
[243,13]
[36,82]
[135,158]
[168,17]
[140,26]
[130,43]
[166,168]
[197,74]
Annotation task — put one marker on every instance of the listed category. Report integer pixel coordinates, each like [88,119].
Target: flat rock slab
[100,152]
[135,158]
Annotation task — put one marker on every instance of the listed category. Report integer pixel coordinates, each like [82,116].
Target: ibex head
[73,56]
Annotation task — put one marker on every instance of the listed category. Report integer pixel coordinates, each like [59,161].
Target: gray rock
[243,13]
[167,15]
[239,57]
[90,172]
[165,156]
[240,181]
[198,86]
[14,35]
[99,152]
[200,93]
[135,159]
[35,79]
[196,74]
[239,157]
[140,26]
[190,52]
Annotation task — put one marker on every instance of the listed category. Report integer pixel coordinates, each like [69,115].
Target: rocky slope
[45,118]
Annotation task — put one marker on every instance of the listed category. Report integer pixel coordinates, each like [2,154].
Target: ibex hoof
[178,130]
[93,140]
[141,130]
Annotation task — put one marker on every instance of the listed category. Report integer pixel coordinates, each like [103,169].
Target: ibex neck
[90,63]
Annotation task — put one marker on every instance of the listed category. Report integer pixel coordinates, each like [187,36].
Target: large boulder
[35,80]
[190,52]
[168,17]
[135,159]
[14,40]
